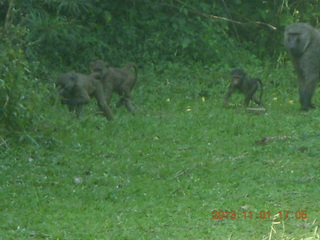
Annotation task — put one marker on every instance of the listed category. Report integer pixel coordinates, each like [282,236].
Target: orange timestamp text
[260,215]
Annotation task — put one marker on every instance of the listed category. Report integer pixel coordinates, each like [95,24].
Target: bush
[21,92]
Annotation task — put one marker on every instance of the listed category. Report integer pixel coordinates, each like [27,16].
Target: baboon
[121,80]
[247,86]
[303,43]
[77,89]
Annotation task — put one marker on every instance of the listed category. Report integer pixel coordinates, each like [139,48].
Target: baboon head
[99,67]
[237,76]
[66,83]
[297,37]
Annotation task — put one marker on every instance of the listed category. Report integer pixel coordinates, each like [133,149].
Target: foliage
[16,100]
[24,95]
[72,33]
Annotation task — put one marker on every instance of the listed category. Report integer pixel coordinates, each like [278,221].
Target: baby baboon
[77,89]
[247,86]
[303,43]
[121,80]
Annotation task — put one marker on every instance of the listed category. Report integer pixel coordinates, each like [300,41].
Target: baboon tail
[133,65]
[261,88]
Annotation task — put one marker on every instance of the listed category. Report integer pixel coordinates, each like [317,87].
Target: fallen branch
[266,140]
[256,110]
[241,23]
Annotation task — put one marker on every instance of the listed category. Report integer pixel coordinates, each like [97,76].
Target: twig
[3,142]
[230,20]
[8,20]
[222,18]
[229,14]
[265,140]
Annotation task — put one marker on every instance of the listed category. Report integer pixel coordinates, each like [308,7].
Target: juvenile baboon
[303,43]
[77,89]
[121,80]
[247,86]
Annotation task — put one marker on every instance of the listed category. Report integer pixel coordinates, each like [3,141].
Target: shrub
[21,92]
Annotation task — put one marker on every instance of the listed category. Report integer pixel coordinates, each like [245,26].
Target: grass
[161,173]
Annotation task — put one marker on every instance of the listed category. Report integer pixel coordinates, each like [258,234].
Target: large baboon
[247,86]
[121,80]
[77,89]
[303,43]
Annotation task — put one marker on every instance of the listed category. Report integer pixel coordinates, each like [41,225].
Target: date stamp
[259,215]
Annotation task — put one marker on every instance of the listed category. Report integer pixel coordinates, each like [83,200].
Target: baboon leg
[258,102]
[72,108]
[106,110]
[108,94]
[249,96]
[129,105]
[246,101]
[227,97]
[78,110]
[306,89]
[125,98]
[120,102]
[126,102]
[306,94]
[103,104]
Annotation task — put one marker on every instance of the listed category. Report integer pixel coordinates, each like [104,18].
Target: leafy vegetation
[161,173]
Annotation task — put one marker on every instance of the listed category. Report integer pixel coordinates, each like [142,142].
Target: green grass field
[161,173]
